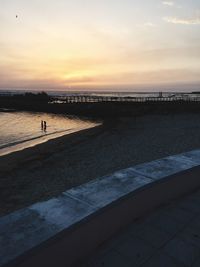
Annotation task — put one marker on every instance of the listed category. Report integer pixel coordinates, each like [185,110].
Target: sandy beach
[44,171]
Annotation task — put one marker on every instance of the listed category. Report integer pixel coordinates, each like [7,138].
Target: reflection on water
[23,129]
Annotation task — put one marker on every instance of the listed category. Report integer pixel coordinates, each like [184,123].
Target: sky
[100,44]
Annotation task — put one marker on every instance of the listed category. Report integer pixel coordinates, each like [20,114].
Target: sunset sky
[100,44]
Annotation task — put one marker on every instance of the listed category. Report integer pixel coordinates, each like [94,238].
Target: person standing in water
[45,126]
[42,124]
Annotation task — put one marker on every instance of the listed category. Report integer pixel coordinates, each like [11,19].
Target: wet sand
[46,170]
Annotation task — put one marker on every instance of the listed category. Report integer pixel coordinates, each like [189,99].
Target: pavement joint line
[158,250]
[182,264]
[143,174]
[78,199]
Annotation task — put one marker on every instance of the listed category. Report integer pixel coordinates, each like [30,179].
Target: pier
[140,99]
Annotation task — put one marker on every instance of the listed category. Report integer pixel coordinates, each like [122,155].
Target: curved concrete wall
[64,230]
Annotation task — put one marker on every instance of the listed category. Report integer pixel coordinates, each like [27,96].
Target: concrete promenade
[167,237]
[66,230]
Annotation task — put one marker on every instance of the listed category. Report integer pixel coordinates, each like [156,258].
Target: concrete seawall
[64,230]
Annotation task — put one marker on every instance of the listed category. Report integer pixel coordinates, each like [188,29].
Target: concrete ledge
[64,230]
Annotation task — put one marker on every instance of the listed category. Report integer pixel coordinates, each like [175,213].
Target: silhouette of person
[45,126]
[42,124]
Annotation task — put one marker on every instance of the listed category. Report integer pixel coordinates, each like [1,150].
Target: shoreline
[39,150]
[44,171]
[19,146]
[59,125]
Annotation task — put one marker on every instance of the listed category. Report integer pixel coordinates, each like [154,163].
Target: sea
[57,93]
[19,130]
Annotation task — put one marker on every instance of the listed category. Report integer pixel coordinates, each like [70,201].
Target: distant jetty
[95,99]
[102,106]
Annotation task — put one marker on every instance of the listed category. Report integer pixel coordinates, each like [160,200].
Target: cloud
[168,3]
[149,24]
[146,25]
[185,21]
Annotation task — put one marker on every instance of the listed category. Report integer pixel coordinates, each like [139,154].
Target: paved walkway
[167,237]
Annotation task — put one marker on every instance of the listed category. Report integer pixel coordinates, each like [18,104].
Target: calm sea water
[58,93]
[19,130]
